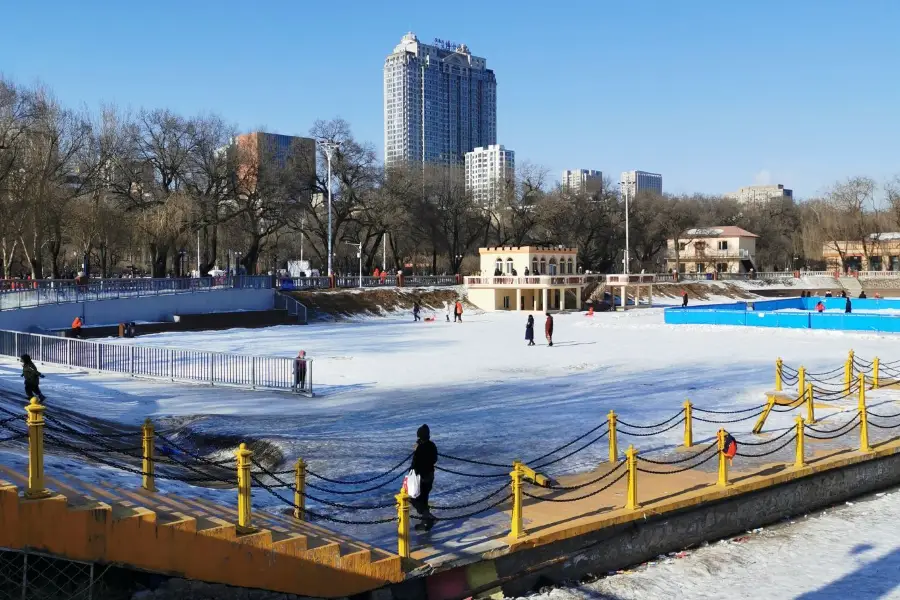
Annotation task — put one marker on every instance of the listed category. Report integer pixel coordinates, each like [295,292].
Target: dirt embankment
[332,304]
[695,291]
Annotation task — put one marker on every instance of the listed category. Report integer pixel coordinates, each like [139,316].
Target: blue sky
[714,95]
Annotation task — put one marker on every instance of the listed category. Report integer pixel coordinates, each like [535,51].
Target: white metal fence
[157,362]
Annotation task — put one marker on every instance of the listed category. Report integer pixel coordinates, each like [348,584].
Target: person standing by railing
[424,458]
[77,323]
[300,370]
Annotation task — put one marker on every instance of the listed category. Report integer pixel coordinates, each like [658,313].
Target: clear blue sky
[714,95]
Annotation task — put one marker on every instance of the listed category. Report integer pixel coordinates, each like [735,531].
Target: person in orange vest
[376,273]
[76,327]
[820,306]
[458,310]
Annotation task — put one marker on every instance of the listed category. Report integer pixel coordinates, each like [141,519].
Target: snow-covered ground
[850,551]
[485,394]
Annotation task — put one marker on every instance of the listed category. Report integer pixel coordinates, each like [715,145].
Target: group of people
[548,330]
[456,307]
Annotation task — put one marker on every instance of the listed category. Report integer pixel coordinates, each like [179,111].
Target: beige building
[724,249]
[532,278]
[883,251]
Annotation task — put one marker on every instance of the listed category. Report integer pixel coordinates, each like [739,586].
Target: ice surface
[849,552]
[484,393]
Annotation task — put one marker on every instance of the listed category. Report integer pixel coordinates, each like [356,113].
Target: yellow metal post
[35,422]
[613,443]
[516,531]
[402,523]
[875,366]
[688,424]
[761,421]
[863,416]
[631,502]
[723,460]
[848,372]
[779,366]
[299,489]
[810,408]
[800,461]
[243,455]
[148,479]
[801,381]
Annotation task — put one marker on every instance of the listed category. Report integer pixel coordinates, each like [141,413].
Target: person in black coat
[529,330]
[32,379]
[424,458]
[848,308]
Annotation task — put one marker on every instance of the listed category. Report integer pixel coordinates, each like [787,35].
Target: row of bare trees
[142,190]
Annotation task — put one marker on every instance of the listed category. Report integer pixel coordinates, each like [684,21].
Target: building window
[552,266]
[682,246]
[543,266]
[723,245]
[534,266]
[509,266]
[722,267]
[571,269]
[498,267]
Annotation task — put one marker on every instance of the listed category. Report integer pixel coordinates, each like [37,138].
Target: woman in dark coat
[529,330]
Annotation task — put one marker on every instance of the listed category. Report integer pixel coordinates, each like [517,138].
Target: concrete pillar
[650,297]
[544,306]
[624,297]
[518,298]
[578,292]
[562,299]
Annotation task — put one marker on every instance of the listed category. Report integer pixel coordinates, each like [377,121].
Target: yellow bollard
[779,370]
[810,408]
[631,502]
[613,442]
[148,479]
[36,489]
[848,372]
[688,424]
[800,461]
[875,366]
[801,381]
[402,523]
[723,460]
[863,416]
[243,472]
[516,531]
[761,421]
[299,489]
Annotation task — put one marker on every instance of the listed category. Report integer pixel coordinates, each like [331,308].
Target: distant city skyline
[680,113]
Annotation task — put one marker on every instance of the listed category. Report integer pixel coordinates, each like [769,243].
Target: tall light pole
[625,187]
[329,146]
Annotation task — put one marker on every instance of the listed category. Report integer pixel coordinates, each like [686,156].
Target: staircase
[851,285]
[189,538]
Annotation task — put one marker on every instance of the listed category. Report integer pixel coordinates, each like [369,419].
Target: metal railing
[16,294]
[158,362]
[293,307]
[353,281]
[532,280]
[698,254]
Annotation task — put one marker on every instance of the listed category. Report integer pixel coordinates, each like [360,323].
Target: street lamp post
[329,146]
[626,257]
[359,256]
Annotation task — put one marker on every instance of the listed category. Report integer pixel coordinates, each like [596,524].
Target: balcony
[532,281]
[692,254]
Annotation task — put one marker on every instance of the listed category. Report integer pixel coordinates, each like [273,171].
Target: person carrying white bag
[421,477]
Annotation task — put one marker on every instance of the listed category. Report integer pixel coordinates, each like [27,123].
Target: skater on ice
[32,379]
[416,310]
[684,298]
[424,458]
[529,330]
[447,310]
[458,309]
[548,329]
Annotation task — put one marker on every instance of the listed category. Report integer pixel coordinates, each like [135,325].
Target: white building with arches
[530,278]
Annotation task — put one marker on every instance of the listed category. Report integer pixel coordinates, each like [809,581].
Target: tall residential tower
[490,174]
[439,103]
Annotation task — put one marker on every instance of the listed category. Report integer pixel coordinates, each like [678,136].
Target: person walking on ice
[548,329]
[684,298]
[416,310]
[32,379]
[529,330]
[447,310]
[458,310]
[424,458]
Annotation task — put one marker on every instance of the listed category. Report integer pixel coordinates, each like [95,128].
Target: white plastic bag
[411,483]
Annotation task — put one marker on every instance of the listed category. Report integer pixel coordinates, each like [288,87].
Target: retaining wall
[145,308]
